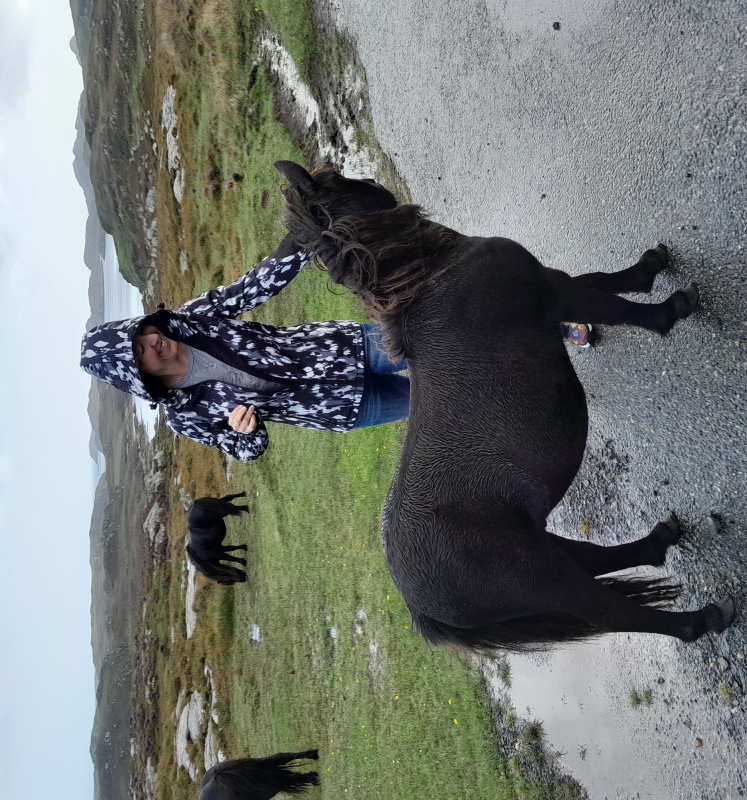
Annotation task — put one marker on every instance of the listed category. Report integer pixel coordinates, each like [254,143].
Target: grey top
[203,367]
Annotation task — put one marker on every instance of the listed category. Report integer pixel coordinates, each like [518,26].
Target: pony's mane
[384,257]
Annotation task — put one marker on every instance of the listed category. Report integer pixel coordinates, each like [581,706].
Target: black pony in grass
[497,425]
[206,533]
[258,778]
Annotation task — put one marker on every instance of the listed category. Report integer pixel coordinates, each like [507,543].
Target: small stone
[698,741]
[713,524]
[556,26]
[723,664]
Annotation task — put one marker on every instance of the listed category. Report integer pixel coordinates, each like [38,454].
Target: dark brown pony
[258,778]
[207,530]
[497,425]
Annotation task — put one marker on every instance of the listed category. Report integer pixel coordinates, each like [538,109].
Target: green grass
[726,693]
[318,561]
[315,562]
[291,20]
[644,697]
[227,128]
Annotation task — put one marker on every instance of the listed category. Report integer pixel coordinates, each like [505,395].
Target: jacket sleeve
[242,446]
[266,280]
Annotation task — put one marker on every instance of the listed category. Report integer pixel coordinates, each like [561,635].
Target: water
[121,301]
[99,467]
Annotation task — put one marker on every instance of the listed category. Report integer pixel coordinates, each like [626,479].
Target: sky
[46,667]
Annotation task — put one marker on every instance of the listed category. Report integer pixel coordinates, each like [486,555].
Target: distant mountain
[117,556]
[95,235]
[82,11]
[122,500]
[115,153]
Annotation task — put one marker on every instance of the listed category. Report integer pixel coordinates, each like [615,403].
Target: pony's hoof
[714,524]
[662,537]
[681,304]
[650,264]
[688,300]
[726,611]
[661,251]
[673,527]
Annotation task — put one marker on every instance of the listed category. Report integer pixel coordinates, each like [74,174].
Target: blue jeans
[386,397]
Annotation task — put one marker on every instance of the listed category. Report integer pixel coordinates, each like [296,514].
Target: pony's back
[207,509]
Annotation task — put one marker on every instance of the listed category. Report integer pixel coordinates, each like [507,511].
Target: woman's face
[155,354]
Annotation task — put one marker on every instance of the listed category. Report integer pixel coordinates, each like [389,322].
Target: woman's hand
[243,419]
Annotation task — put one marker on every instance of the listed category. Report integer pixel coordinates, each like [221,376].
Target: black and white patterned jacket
[322,363]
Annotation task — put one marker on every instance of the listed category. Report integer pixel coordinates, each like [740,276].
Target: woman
[219,379]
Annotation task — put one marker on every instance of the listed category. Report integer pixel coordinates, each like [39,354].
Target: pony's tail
[650,592]
[539,632]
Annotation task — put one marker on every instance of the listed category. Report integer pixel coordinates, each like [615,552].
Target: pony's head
[334,194]
[382,252]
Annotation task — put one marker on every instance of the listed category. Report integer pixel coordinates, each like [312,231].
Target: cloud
[15,49]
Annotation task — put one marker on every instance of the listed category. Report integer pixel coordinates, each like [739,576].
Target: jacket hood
[106,353]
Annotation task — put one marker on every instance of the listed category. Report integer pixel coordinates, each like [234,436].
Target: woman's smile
[156,354]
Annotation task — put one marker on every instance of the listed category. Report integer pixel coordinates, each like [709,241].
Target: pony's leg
[231,548]
[559,584]
[599,560]
[235,560]
[228,508]
[638,278]
[611,612]
[576,301]
[229,497]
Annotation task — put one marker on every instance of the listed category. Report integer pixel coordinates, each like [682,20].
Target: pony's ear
[296,176]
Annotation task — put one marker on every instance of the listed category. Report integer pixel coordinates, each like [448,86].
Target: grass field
[336,665]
